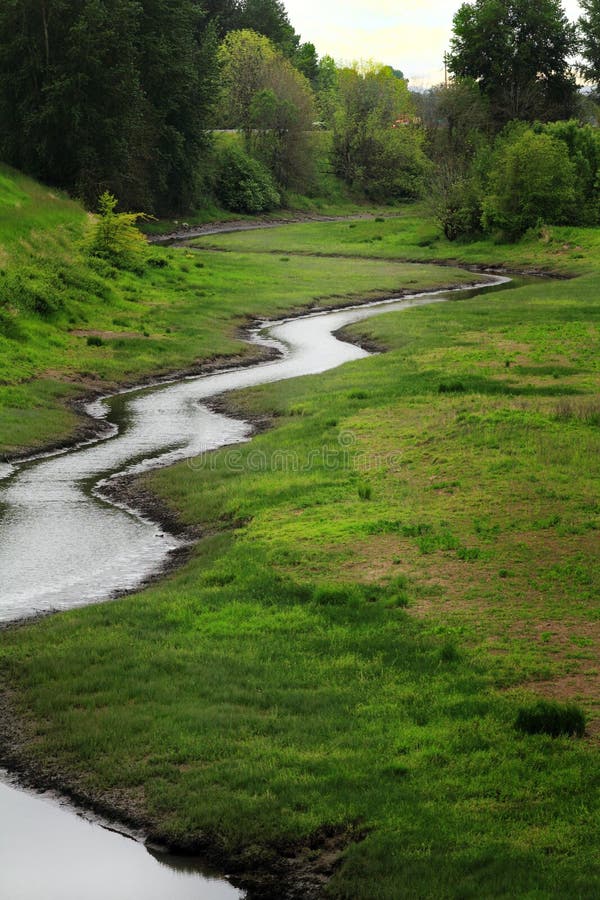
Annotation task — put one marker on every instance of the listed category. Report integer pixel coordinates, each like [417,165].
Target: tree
[283,113]
[272,103]
[518,52]
[532,181]
[306,61]
[369,151]
[107,95]
[589,26]
[583,145]
[327,90]
[71,101]
[243,59]
[269,18]
[114,236]
[178,72]
[223,14]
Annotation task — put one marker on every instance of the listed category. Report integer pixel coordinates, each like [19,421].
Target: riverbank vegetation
[385,638]
[73,321]
[354,643]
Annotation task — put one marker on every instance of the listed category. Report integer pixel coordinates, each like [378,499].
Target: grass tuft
[552,718]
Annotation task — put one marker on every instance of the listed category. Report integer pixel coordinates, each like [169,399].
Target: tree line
[126,96]
[513,138]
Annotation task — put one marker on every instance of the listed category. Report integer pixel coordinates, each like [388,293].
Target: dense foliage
[272,102]
[107,94]
[377,147]
[244,184]
[532,182]
[124,96]
[589,26]
[519,53]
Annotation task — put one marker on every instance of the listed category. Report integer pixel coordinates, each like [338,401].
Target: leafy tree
[369,152]
[532,181]
[178,72]
[283,113]
[589,26]
[265,96]
[518,52]
[456,201]
[223,14]
[327,90]
[269,18]
[114,236]
[583,145]
[457,118]
[71,102]
[107,94]
[243,58]
[306,61]
[244,184]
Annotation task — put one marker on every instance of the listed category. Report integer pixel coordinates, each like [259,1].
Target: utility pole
[446,59]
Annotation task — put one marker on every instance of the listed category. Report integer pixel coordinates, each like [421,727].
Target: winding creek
[62,545]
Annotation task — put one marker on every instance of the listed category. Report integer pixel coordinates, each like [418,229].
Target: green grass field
[410,234]
[179,310]
[350,645]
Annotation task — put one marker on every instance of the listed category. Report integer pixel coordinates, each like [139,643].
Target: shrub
[35,291]
[532,180]
[158,262]
[244,184]
[94,341]
[583,145]
[456,204]
[114,237]
[554,719]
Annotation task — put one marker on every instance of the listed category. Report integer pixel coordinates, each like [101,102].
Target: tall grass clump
[552,718]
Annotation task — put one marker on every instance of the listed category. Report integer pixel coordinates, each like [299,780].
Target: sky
[408,36]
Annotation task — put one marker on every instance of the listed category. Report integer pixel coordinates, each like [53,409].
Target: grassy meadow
[409,233]
[70,324]
[403,562]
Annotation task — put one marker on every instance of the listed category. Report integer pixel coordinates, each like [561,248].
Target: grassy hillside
[70,324]
[353,655]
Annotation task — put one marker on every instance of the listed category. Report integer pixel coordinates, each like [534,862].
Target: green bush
[457,205]
[394,164]
[114,237]
[583,145]
[554,719]
[532,181]
[31,291]
[244,185]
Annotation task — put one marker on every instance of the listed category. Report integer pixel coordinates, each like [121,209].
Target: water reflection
[48,852]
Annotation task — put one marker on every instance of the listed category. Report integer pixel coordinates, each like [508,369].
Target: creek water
[48,852]
[62,545]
